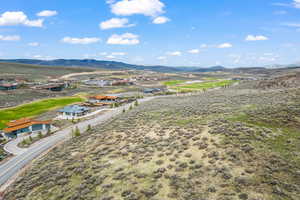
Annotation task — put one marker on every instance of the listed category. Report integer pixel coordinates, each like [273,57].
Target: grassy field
[202,86]
[173,82]
[35,108]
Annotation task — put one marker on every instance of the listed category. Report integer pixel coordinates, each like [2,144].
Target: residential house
[54,87]
[103,99]
[73,112]
[25,126]
[152,90]
[8,86]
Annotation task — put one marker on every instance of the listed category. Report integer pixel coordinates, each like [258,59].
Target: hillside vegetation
[228,144]
[31,72]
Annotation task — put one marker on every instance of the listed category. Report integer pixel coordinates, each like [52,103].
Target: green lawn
[173,82]
[35,108]
[203,85]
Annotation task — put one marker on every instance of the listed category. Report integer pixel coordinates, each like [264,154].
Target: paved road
[10,168]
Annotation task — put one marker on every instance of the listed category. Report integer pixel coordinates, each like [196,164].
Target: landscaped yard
[35,108]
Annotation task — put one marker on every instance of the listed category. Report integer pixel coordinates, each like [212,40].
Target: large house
[8,86]
[25,126]
[73,112]
[103,99]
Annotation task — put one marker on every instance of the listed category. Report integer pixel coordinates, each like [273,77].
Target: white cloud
[160,20]
[294,25]
[34,44]
[115,23]
[161,58]
[110,57]
[296,3]
[41,57]
[118,53]
[175,53]
[203,46]
[86,40]
[144,7]
[124,39]
[224,45]
[19,18]
[110,1]
[47,13]
[256,38]
[10,38]
[194,51]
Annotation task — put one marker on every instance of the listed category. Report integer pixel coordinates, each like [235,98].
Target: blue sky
[232,33]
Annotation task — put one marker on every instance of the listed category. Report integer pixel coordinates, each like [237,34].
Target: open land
[240,142]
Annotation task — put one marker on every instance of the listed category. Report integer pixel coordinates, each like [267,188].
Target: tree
[40,135]
[77,132]
[89,127]
[48,132]
[136,103]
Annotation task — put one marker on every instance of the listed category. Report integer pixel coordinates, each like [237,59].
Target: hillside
[30,71]
[235,143]
[111,65]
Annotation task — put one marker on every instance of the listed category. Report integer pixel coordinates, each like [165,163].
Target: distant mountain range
[112,65]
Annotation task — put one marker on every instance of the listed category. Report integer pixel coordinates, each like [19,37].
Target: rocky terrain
[237,143]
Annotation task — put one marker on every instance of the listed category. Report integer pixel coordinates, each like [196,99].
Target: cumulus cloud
[10,38]
[203,46]
[296,3]
[256,38]
[224,45]
[174,53]
[47,13]
[145,7]
[34,44]
[124,39]
[115,23]
[161,58]
[294,25]
[86,40]
[19,18]
[194,51]
[160,20]
[118,53]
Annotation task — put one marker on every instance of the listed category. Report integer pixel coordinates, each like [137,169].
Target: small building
[73,112]
[122,83]
[54,87]
[152,90]
[25,126]
[8,86]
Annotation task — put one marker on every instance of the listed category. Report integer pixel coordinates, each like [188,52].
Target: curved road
[11,167]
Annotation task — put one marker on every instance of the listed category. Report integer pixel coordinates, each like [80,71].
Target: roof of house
[74,109]
[100,97]
[49,86]
[8,84]
[22,123]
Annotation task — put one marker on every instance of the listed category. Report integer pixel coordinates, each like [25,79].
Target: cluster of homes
[51,86]
[104,83]
[29,126]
